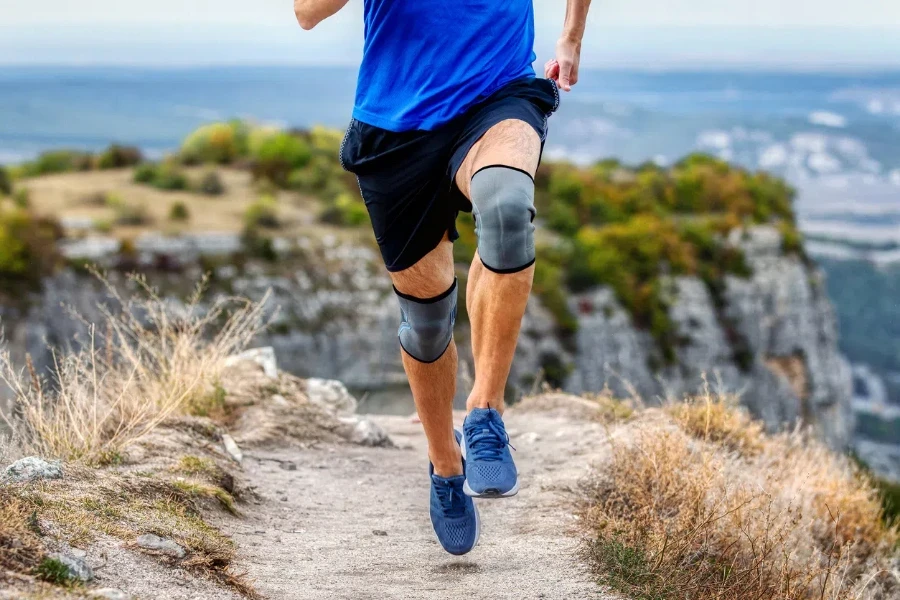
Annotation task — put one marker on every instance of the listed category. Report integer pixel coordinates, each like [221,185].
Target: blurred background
[804,90]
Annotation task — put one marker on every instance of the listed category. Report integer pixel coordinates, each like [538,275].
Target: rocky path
[348,522]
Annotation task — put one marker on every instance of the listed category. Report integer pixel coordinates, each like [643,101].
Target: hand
[564,68]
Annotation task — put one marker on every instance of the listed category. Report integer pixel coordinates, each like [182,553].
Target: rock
[367,433]
[78,569]
[148,541]
[264,357]
[110,594]
[530,437]
[280,400]
[32,468]
[330,394]
[232,448]
[379,532]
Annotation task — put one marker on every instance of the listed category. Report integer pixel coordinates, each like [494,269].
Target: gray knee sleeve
[426,326]
[503,203]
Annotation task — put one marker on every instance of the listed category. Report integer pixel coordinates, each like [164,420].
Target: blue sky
[646,33]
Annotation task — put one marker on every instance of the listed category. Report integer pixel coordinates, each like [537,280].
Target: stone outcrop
[771,338]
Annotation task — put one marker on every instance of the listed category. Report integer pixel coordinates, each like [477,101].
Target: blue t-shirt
[428,61]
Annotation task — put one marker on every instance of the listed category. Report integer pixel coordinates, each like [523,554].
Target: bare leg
[496,302]
[434,384]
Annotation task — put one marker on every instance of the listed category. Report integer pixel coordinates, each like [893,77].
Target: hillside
[188,467]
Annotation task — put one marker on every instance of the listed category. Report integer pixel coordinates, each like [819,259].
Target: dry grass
[91,502]
[145,363]
[697,503]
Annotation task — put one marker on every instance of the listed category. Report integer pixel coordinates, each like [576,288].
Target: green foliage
[54,571]
[27,247]
[274,155]
[347,211]
[58,161]
[628,570]
[890,500]
[211,184]
[166,176]
[179,212]
[117,157]
[6,185]
[262,213]
[219,143]
[22,197]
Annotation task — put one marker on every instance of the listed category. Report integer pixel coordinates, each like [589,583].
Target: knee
[426,325]
[503,203]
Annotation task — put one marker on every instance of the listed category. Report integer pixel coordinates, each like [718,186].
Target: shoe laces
[452,500]
[487,441]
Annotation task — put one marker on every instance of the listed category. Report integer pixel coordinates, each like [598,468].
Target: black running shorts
[407,179]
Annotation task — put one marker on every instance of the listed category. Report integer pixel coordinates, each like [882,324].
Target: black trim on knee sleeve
[507,271]
[427,362]
[530,176]
[437,298]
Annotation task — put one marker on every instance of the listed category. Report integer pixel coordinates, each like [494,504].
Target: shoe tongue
[455,481]
[480,416]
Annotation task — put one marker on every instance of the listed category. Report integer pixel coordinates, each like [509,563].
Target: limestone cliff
[771,338]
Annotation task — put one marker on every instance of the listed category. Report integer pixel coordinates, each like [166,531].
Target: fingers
[566,78]
[551,69]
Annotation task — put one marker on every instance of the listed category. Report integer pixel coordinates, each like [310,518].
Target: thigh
[513,143]
[431,276]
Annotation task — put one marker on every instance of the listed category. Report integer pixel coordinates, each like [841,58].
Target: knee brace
[503,204]
[426,326]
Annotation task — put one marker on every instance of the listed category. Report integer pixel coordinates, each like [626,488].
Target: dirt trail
[348,522]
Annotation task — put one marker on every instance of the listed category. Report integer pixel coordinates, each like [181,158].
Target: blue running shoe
[453,514]
[490,471]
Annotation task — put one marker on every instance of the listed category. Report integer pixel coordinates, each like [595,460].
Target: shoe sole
[487,494]
[477,534]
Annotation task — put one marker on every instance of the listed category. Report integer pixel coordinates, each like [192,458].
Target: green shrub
[219,143]
[145,173]
[6,185]
[130,213]
[27,246]
[166,176]
[347,211]
[54,571]
[262,213]
[22,198]
[276,154]
[211,184]
[117,157]
[58,161]
[179,212]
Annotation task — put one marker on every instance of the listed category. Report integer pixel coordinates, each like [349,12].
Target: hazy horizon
[647,34]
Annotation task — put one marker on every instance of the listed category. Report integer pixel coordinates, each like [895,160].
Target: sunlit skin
[495,303]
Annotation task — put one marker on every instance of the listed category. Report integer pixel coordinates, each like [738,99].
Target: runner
[450,117]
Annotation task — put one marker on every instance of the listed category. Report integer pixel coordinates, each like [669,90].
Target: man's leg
[496,301]
[433,383]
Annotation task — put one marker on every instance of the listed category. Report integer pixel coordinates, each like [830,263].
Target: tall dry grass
[143,362]
[698,503]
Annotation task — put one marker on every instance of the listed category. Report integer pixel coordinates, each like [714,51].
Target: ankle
[447,463]
[473,403]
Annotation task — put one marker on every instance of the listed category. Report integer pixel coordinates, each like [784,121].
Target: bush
[117,157]
[132,214]
[703,505]
[219,143]
[211,184]
[165,176]
[179,212]
[274,155]
[262,213]
[58,161]
[6,186]
[347,211]
[22,198]
[27,246]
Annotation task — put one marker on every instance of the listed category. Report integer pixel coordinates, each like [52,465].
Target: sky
[647,33]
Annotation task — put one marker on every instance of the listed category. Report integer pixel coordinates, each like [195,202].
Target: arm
[564,68]
[312,12]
